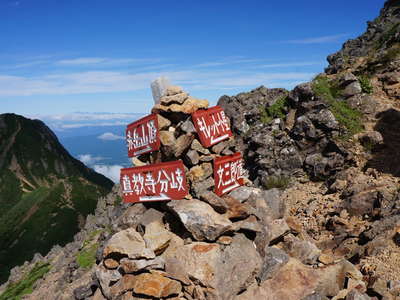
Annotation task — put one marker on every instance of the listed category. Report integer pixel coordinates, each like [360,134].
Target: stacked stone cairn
[237,246]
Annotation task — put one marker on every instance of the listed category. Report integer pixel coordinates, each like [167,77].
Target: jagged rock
[249,224]
[188,126]
[274,202]
[293,281]
[278,228]
[200,219]
[304,251]
[273,260]
[192,157]
[172,90]
[208,264]
[242,193]
[189,106]
[182,143]
[132,266]
[110,263]
[177,98]
[324,119]
[320,167]
[215,201]
[352,89]
[344,272]
[167,138]
[198,260]
[107,278]
[155,285]
[151,216]
[240,269]
[200,172]
[301,93]
[156,237]
[82,292]
[346,79]
[128,242]
[196,145]
[163,123]
[131,217]
[200,187]
[236,210]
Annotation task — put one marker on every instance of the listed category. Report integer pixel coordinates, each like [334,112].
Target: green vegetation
[25,285]
[365,83]
[276,110]
[348,118]
[86,258]
[118,200]
[391,54]
[42,209]
[388,35]
[279,182]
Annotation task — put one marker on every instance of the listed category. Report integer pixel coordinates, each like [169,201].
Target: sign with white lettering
[211,125]
[228,173]
[158,182]
[142,136]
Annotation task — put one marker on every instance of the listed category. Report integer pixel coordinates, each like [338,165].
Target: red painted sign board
[228,173]
[143,136]
[211,125]
[157,182]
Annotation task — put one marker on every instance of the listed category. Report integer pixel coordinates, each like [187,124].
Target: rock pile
[298,140]
[237,246]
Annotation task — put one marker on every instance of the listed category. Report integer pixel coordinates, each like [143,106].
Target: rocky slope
[45,194]
[317,219]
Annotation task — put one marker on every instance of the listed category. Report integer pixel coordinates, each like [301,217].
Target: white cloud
[88,159]
[79,125]
[290,64]
[103,61]
[317,40]
[110,171]
[109,136]
[86,116]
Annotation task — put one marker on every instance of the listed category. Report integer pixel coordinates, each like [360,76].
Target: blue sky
[58,58]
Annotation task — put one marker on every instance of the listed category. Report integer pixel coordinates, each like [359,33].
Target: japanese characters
[211,125]
[163,181]
[228,173]
[142,136]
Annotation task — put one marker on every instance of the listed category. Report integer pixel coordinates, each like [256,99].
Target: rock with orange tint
[200,219]
[189,106]
[126,283]
[237,268]
[131,266]
[111,263]
[198,260]
[293,281]
[236,210]
[223,269]
[156,285]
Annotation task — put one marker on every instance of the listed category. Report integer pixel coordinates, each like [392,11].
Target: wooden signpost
[228,173]
[211,125]
[142,136]
[157,182]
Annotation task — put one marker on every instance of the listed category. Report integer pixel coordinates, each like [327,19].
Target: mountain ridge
[40,178]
